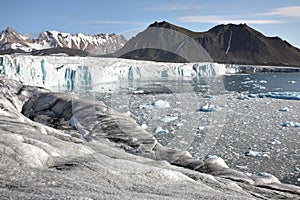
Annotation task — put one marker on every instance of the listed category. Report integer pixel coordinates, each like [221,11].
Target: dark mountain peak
[225,43]
[170,26]
[230,25]
[162,24]
[233,27]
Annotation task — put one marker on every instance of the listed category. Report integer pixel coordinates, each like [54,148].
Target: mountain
[234,44]
[96,44]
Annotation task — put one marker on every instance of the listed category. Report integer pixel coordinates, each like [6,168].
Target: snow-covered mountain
[94,44]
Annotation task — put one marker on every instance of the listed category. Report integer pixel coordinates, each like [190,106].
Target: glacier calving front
[85,73]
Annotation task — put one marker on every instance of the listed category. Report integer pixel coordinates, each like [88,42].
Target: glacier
[37,158]
[88,73]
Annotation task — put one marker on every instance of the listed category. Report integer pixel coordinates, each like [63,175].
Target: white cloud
[215,19]
[113,22]
[292,11]
[175,8]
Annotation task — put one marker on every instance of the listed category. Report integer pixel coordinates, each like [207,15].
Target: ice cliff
[83,73]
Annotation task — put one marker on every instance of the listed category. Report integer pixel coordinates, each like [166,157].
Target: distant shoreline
[266,69]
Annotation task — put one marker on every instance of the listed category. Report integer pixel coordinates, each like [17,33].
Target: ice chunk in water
[285,109]
[274,141]
[252,95]
[291,124]
[138,92]
[207,108]
[160,104]
[243,96]
[169,119]
[262,81]
[161,130]
[252,153]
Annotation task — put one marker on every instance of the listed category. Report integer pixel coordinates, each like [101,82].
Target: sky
[271,17]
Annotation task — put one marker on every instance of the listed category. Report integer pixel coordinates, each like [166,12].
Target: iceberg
[207,108]
[169,119]
[160,104]
[160,130]
[291,124]
[274,141]
[262,81]
[285,109]
[252,153]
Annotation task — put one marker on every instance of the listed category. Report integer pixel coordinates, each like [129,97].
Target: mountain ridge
[94,44]
[230,43]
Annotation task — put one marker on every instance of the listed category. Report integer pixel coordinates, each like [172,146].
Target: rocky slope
[238,44]
[43,156]
[95,44]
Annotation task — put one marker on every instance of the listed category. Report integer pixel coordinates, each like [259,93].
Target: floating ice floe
[274,141]
[159,104]
[146,106]
[252,96]
[243,96]
[202,127]
[285,109]
[169,118]
[262,81]
[138,92]
[246,82]
[275,95]
[257,86]
[242,167]
[179,124]
[291,124]
[208,96]
[281,95]
[207,108]
[161,130]
[251,153]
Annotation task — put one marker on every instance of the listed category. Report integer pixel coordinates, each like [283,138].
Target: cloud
[292,11]
[216,19]
[175,8]
[113,22]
